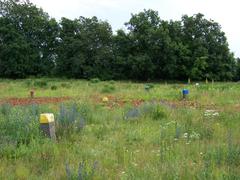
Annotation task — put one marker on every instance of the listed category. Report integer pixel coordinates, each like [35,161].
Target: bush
[53,87]
[65,85]
[112,82]
[95,80]
[84,171]
[69,120]
[108,89]
[5,109]
[154,111]
[147,87]
[21,125]
[28,83]
[40,84]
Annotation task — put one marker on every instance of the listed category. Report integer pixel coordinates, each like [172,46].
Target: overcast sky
[117,12]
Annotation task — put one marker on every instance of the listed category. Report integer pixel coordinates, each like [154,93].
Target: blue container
[185,91]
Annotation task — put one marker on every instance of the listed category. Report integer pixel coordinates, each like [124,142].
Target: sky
[117,12]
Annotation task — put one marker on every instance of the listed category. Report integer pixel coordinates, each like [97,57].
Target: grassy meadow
[139,131]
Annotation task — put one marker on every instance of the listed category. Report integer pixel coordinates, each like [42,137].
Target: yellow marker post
[47,125]
[105,99]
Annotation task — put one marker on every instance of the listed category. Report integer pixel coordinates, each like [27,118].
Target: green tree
[33,29]
[85,49]
[210,56]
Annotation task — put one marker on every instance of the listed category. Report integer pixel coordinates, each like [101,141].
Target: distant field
[120,130]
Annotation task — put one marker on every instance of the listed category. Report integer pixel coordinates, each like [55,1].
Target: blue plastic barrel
[185,92]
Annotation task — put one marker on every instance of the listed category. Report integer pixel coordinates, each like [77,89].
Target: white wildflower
[135,164]
[185,135]
[211,113]
[194,135]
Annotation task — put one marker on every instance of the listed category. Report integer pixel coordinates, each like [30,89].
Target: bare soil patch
[37,100]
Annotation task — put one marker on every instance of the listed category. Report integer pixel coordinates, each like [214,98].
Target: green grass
[95,141]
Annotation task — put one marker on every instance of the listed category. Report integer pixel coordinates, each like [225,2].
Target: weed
[132,114]
[112,82]
[148,87]
[108,89]
[53,87]
[40,84]
[21,126]
[5,109]
[29,83]
[69,120]
[95,80]
[65,85]
[84,171]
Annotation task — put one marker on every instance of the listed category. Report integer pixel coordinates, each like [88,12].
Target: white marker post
[47,125]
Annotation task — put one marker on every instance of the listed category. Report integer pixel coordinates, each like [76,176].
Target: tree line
[34,44]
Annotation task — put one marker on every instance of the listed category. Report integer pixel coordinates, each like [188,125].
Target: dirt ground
[38,100]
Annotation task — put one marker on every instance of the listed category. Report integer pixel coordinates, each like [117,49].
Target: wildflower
[201,153]
[188,142]
[195,135]
[211,113]
[135,164]
[185,135]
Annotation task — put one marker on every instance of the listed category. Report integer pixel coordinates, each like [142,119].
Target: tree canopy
[34,44]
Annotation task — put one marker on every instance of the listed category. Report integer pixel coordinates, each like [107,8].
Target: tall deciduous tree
[210,55]
[85,50]
[35,39]
[32,43]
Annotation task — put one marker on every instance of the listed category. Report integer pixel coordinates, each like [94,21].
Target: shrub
[28,83]
[95,80]
[84,171]
[153,111]
[108,88]
[53,87]
[69,120]
[65,85]
[112,82]
[156,112]
[21,125]
[40,84]
[5,109]
[147,87]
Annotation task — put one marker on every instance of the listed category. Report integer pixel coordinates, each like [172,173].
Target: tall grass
[154,140]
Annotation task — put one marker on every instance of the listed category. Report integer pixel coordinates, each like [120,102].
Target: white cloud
[118,11]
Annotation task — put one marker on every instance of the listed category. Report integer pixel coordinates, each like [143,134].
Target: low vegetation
[135,134]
